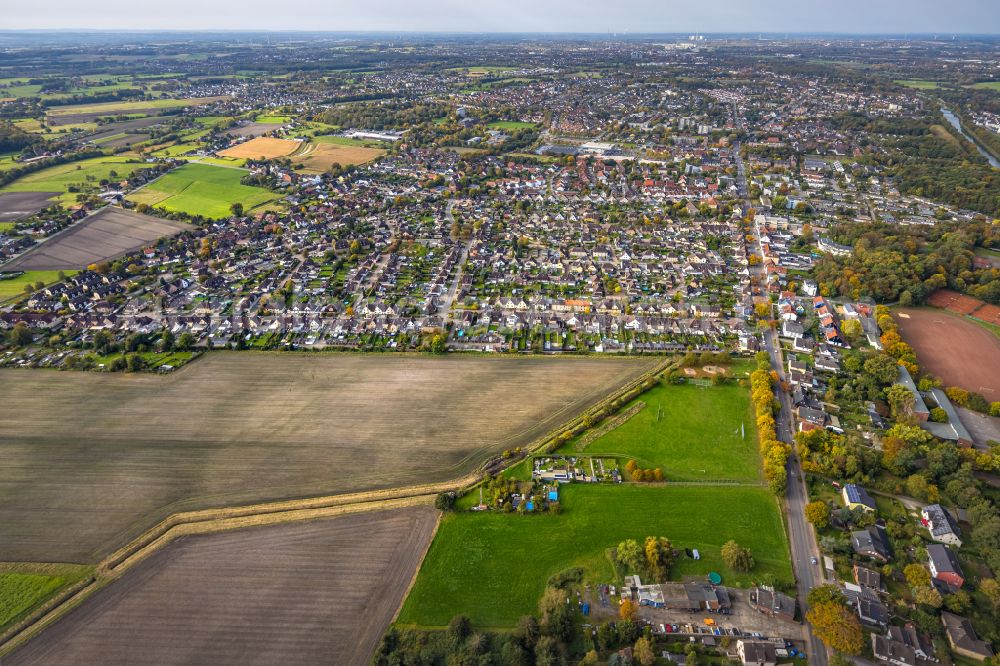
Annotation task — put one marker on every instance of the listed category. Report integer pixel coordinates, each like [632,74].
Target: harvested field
[107,234]
[91,460]
[955,349]
[252,129]
[319,157]
[318,592]
[262,146]
[124,127]
[16,206]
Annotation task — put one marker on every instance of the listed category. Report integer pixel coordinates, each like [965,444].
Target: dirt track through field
[960,352]
[316,592]
[93,460]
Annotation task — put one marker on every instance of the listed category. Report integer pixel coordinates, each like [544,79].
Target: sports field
[319,157]
[103,456]
[692,433]
[957,350]
[83,174]
[493,567]
[201,189]
[303,593]
[262,146]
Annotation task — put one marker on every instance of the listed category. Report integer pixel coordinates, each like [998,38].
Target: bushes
[638,474]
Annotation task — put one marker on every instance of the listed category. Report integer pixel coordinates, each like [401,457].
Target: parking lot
[741,618]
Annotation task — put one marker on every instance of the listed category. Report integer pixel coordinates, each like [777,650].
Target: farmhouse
[940,524]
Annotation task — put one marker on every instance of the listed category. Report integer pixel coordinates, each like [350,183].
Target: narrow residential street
[449,298]
[801,537]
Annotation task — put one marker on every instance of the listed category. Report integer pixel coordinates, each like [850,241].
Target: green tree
[185,341]
[737,557]
[20,335]
[822,594]
[643,652]
[629,555]
[236,209]
[881,368]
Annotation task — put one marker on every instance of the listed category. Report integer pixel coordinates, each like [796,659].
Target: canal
[957,124]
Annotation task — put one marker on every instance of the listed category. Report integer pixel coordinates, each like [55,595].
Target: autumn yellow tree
[629,610]
[643,652]
[818,513]
[837,626]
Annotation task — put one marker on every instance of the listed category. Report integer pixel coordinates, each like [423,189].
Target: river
[957,124]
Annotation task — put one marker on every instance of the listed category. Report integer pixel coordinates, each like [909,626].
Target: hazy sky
[854,16]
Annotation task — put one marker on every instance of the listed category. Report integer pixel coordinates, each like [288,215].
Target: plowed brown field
[306,593]
[91,460]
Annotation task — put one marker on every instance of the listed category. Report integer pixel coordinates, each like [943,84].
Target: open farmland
[319,157]
[691,432]
[202,189]
[82,174]
[263,146]
[81,113]
[104,456]
[251,129]
[493,567]
[107,234]
[298,593]
[19,205]
[959,351]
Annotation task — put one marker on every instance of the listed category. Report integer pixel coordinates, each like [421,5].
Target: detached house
[940,524]
[944,565]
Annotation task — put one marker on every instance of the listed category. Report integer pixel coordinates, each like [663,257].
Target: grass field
[201,189]
[988,85]
[273,120]
[20,592]
[285,594]
[493,567]
[102,456]
[691,433]
[14,287]
[919,84]
[85,173]
[510,125]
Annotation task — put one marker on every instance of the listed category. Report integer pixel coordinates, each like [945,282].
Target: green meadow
[692,433]
[202,189]
[493,567]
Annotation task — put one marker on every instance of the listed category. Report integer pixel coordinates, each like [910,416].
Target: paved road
[449,298]
[800,533]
